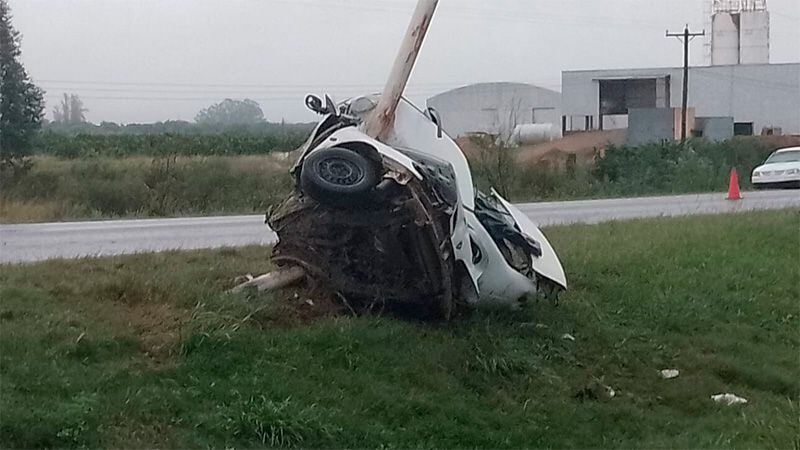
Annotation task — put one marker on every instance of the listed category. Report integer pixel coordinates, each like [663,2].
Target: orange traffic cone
[733,186]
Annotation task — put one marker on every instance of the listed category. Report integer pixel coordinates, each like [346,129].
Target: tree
[497,162]
[21,101]
[70,110]
[231,112]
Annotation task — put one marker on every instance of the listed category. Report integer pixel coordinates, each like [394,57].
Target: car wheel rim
[339,171]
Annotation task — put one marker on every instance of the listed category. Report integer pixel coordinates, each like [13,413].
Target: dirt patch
[776,142]
[583,145]
[299,305]
[303,305]
[158,327]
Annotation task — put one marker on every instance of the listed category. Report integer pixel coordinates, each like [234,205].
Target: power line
[268,86]
[787,16]
[511,15]
[215,85]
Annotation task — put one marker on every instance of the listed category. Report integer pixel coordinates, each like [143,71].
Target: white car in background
[780,170]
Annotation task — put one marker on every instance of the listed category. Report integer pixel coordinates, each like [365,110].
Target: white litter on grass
[568,337]
[610,392]
[670,373]
[728,399]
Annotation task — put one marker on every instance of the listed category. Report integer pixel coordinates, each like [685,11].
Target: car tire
[338,176]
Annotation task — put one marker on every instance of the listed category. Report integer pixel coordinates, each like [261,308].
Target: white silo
[739,32]
[754,37]
[725,39]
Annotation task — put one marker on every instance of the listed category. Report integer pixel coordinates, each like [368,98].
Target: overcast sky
[150,60]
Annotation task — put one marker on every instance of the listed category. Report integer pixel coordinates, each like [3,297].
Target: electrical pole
[685,37]
[380,122]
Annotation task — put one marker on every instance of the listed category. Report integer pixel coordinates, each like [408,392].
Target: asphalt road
[35,242]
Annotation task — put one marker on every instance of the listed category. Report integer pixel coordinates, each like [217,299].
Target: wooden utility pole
[381,121]
[685,37]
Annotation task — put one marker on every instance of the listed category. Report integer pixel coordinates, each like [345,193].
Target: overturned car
[399,220]
[384,210]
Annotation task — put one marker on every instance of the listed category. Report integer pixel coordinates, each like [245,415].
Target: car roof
[787,149]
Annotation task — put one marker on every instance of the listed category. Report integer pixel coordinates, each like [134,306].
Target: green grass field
[148,351]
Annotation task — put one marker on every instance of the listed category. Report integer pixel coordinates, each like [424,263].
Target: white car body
[492,279]
[782,168]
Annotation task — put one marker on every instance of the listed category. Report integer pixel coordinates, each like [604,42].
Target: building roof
[672,68]
[493,85]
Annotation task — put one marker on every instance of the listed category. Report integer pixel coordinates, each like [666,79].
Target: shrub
[662,168]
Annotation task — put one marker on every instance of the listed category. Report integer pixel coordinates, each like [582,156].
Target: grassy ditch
[147,351]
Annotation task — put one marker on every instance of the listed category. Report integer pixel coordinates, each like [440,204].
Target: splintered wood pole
[274,280]
[380,122]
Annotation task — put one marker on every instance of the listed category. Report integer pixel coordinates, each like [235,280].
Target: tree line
[229,127]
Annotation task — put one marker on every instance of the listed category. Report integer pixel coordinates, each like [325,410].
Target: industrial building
[740,93]
[496,108]
[754,96]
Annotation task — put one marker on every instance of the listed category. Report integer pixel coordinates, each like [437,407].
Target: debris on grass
[568,337]
[728,399]
[669,374]
[596,391]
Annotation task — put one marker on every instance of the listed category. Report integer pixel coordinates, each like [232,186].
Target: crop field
[149,351]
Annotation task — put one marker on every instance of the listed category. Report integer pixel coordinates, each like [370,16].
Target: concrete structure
[715,128]
[754,37]
[646,125]
[724,39]
[754,95]
[739,31]
[496,108]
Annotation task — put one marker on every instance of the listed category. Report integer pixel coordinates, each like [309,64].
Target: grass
[140,186]
[96,187]
[624,171]
[147,351]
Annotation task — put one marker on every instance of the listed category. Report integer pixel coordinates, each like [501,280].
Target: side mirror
[436,119]
[314,103]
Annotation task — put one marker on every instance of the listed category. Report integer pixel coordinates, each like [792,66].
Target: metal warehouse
[496,108]
[753,97]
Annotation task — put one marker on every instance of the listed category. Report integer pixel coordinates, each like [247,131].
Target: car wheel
[338,176]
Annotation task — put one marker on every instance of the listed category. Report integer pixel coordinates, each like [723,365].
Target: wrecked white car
[384,210]
[399,219]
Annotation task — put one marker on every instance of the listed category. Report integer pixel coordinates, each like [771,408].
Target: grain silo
[724,39]
[739,32]
[754,37]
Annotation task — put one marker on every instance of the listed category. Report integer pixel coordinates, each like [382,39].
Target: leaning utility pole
[381,120]
[685,37]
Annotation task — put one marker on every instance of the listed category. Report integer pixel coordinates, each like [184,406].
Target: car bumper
[776,183]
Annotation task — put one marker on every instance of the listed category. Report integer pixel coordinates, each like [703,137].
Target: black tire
[338,176]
